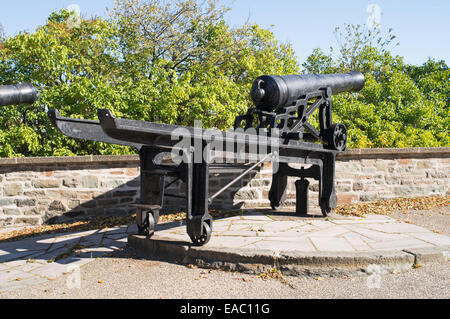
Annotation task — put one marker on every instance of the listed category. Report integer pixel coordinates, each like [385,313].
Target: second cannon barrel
[24,93]
[270,92]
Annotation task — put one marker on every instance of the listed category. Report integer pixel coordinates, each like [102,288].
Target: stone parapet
[42,190]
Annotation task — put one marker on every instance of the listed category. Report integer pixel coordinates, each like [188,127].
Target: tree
[194,62]
[74,70]
[152,60]
[353,43]
[400,106]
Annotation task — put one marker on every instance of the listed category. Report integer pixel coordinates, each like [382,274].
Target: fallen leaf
[386,207]
[319,278]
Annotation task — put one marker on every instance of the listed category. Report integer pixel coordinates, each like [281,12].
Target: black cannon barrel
[270,92]
[17,94]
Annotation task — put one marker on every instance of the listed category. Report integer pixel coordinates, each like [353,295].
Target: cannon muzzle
[24,93]
[271,92]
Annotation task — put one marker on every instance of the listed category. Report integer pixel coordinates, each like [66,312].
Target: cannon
[24,93]
[277,129]
[288,102]
[270,93]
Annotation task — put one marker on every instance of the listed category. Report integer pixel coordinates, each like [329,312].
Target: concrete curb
[423,256]
[257,261]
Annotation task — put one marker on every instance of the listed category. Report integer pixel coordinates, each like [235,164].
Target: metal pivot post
[328,197]
[302,204]
[278,190]
[199,221]
[152,191]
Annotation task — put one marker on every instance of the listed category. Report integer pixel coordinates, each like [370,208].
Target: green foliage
[73,70]
[401,105]
[171,62]
[178,61]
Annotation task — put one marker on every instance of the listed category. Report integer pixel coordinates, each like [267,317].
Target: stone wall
[45,190]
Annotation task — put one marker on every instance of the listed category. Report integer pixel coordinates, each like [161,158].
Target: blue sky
[421,27]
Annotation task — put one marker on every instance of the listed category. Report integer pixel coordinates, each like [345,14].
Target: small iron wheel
[326,212]
[203,239]
[148,229]
[275,207]
[337,139]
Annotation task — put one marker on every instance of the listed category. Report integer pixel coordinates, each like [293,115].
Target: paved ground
[39,259]
[125,276]
[285,232]
[137,279]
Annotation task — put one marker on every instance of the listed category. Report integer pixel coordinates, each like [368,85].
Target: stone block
[11,211]
[71,204]
[34,193]
[345,199]
[47,183]
[25,202]
[6,202]
[113,183]
[358,186]
[247,194]
[57,206]
[368,197]
[71,182]
[132,171]
[6,221]
[89,181]
[28,220]
[13,189]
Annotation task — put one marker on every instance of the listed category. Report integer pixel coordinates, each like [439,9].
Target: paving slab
[52,270]
[114,243]
[30,266]
[29,259]
[115,230]
[301,244]
[14,256]
[10,276]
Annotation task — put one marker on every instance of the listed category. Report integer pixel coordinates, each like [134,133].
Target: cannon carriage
[277,129]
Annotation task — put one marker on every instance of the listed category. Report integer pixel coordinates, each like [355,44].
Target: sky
[421,27]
